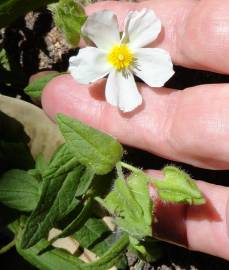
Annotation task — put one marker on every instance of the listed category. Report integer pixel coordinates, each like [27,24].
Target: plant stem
[130,167]
[8,246]
[119,170]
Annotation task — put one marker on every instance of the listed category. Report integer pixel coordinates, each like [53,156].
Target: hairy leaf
[77,222]
[178,187]
[60,183]
[90,232]
[59,260]
[131,205]
[138,183]
[85,182]
[90,146]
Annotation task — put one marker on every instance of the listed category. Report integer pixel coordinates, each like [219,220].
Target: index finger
[196,33]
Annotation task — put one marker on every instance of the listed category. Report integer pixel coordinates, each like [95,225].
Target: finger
[196,33]
[202,228]
[191,126]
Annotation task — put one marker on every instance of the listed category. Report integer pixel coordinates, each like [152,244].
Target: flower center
[120,57]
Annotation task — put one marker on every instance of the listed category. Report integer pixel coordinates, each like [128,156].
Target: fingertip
[119,8]
[115,6]
[47,96]
[56,94]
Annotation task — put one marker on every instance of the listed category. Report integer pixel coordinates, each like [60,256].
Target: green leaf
[51,260]
[77,222]
[59,260]
[110,257]
[138,183]
[90,232]
[100,248]
[85,182]
[178,187]
[19,190]
[60,182]
[131,204]
[69,16]
[90,146]
[14,150]
[105,244]
[35,88]
[83,186]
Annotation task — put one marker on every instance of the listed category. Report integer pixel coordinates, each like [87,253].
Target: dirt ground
[34,44]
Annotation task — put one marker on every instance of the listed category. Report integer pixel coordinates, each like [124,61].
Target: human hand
[190,126]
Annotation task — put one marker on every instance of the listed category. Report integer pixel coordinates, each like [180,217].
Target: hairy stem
[130,167]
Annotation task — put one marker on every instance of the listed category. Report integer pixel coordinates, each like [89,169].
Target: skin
[190,126]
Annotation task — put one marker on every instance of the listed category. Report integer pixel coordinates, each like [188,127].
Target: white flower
[121,58]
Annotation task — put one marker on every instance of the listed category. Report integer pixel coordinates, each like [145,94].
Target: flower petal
[89,65]
[111,90]
[122,91]
[154,66]
[141,28]
[102,28]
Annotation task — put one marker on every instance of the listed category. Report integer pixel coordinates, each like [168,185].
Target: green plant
[67,193]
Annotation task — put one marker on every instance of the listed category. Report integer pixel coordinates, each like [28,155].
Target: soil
[33,44]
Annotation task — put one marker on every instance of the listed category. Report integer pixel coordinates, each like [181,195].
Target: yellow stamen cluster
[120,57]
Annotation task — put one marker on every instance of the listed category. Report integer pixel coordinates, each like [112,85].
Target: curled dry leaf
[44,134]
